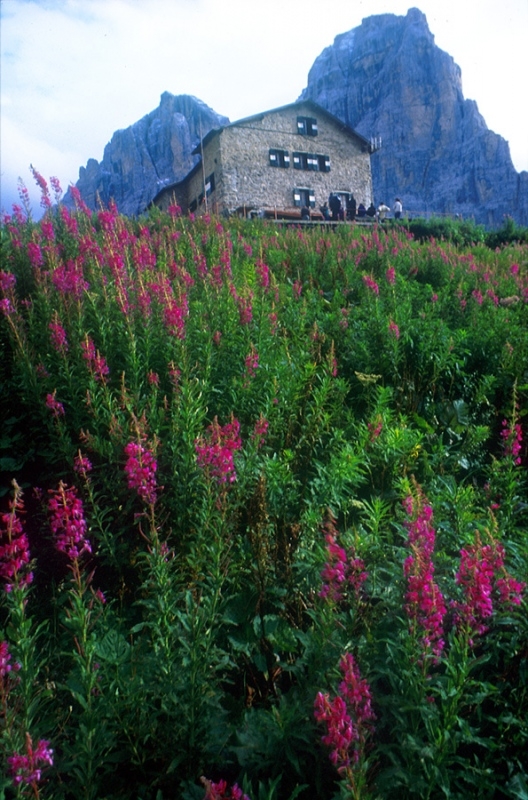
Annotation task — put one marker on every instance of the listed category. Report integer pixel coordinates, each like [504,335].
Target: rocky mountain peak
[153,152]
[388,79]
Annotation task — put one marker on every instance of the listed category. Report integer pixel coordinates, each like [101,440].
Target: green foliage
[268,381]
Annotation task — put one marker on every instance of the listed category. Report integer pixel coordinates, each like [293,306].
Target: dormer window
[307,126]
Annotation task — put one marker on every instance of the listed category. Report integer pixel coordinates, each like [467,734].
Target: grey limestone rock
[153,152]
[387,78]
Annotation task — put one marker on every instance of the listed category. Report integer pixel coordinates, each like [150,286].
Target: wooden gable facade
[288,157]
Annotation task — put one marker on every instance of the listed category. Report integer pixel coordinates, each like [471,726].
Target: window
[304,197]
[324,163]
[307,126]
[209,184]
[279,158]
[299,160]
[193,206]
[311,161]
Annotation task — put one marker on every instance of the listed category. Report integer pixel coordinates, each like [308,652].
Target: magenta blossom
[341,569]
[56,408]
[58,336]
[260,430]
[394,330]
[485,584]
[14,546]
[28,768]
[512,437]
[222,791]
[425,604]
[140,469]
[95,362]
[348,716]
[371,284]
[67,522]
[215,450]
[82,465]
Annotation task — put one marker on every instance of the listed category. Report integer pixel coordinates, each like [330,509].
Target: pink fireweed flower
[36,259]
[375,427]
[514,269]
[222,791]
[348,716]
[512,440]
[14,546]
[82,465]
[425,604]
[7,281]
[56,408]
[24,197]
[70,223]
[263,274]
[252,364]
[67,522]
[57,188]
[174,375]
[28,768]
[8,680]
[297,289]
[245,309]
[394,330]
[215,450]
[260,431]
[58,335]
[45,199]
[482,589]
[341,569]
[371,284]
[390,275]
[79,203]
[68,279]
[6,306]
[95,362]
[174,315]
[140,470]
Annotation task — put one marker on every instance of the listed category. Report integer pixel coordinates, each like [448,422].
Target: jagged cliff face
[387,78]
[151,153]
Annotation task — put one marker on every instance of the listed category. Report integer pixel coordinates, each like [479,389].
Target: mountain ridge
[385,78]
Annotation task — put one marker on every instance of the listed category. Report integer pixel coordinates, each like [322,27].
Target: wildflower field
[263,512]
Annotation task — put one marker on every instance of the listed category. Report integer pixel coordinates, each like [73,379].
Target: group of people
[335,210]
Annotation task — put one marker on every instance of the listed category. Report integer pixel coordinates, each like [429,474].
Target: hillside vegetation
[264,510]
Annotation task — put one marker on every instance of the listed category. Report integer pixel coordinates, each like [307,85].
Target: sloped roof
[315,108]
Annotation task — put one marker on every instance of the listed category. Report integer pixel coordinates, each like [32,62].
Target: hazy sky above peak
[74,71]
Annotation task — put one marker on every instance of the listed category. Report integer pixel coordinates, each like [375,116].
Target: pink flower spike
[56,408]
[215,450]
[67,522]
[14,546]
[140,470]
[28,768]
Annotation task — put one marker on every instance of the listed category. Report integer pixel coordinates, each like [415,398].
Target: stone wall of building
[239,157]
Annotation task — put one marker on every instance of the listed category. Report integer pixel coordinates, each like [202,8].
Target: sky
[74,71]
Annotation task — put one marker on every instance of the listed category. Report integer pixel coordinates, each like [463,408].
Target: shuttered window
[311,161]
[279,158]
[209,184]
[307,126]
[304,197]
